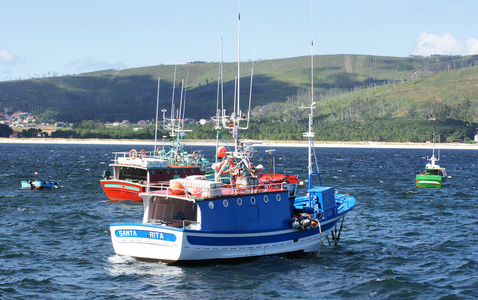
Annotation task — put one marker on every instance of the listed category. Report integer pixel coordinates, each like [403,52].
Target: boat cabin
[438,172]
[210,205]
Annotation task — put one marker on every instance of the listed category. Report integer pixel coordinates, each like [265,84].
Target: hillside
[346,86]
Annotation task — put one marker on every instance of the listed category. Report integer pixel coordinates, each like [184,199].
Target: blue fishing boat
[196,220]
[38,184]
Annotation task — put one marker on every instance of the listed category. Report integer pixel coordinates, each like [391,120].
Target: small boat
[136,171]
[196,220]
[433,176]
[38,184]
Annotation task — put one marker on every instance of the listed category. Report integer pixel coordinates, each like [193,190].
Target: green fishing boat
[433,176]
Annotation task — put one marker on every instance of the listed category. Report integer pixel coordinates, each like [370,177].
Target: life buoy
[231,165]
[142,153]
[133,154]
[424,173]
[195,155]
[177,157]
[158,150]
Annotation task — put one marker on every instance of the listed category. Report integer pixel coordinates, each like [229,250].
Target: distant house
[59,124]
[138,129]
[116,123]
[15,135]
[142,122]
[46,133]
[125,122]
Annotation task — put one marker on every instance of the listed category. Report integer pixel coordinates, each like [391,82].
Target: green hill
[345,86]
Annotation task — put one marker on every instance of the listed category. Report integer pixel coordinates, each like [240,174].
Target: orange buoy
[176,188]
[221,152]
[196,191]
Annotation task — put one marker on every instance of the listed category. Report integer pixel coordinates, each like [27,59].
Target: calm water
[399,243]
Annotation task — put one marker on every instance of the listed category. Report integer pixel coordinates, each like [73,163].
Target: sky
[64,37]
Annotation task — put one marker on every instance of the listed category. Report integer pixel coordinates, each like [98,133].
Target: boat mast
[220,92]
[184,101]
[310,134]
[172,98]
[237,109]
[156,127]
[311,115]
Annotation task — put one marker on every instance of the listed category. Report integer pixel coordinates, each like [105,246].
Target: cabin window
[266,199]
[132,174]
[278,197]
[211,204]
[225,203]
[239,201]
[253,200]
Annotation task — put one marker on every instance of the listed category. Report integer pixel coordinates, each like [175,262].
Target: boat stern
[428,181]
[147,241]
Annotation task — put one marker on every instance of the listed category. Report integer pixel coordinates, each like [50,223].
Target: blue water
[399,243]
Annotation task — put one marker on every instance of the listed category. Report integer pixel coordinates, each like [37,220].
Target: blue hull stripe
[254,240]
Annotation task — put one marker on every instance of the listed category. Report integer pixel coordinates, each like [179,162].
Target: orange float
[196,191]
[221,152]
[176,188]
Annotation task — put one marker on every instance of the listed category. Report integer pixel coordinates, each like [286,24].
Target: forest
[379,130]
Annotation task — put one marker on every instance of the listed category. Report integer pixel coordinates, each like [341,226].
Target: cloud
[446,44]
[6,56]
[90,65]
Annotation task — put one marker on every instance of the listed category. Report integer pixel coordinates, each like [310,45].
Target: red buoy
[221,152]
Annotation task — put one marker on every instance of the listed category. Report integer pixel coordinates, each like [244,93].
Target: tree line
[382,129]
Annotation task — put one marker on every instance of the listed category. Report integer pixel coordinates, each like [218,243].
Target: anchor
[336,233]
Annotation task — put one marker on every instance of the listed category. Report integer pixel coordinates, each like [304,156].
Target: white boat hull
[163,243]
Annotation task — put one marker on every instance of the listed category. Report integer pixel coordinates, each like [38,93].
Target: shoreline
[317,144]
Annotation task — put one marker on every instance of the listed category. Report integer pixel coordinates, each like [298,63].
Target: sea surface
[399,242]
